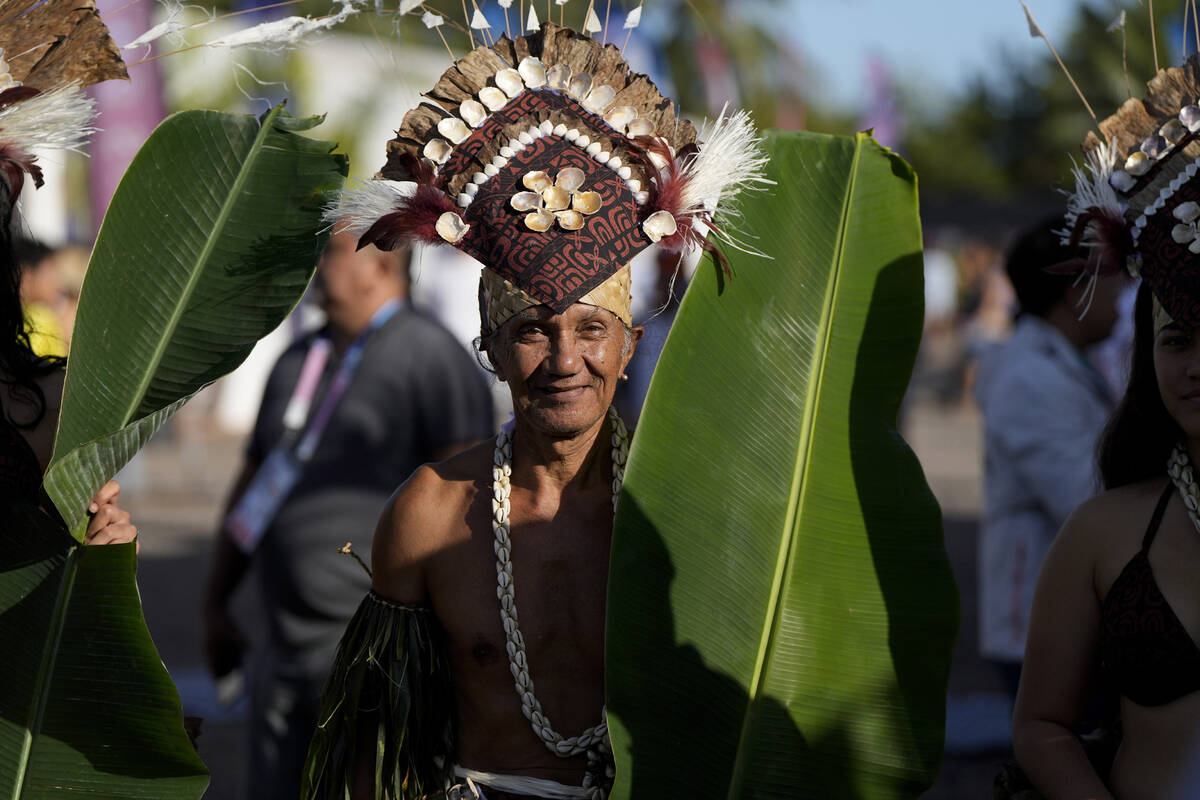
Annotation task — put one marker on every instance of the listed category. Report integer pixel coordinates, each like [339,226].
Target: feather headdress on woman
[1136,203]
[49,52]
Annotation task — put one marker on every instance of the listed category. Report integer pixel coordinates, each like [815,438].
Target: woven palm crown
[552,163]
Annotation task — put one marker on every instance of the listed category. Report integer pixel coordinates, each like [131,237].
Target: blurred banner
[883,116]
[129,110]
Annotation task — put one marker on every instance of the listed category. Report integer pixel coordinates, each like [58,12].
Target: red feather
[420,169]
[15,162]
[413,220]
[666,194]
[16,94]
[1113,247]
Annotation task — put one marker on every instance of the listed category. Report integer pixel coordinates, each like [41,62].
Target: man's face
[562,369]
[343,273]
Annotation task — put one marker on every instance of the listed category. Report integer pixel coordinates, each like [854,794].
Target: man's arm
[223,642]
[404,538]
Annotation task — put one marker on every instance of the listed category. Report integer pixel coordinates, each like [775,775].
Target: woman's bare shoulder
[1115,518]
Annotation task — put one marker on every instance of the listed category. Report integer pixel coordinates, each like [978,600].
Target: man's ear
[497,364]
[638,332]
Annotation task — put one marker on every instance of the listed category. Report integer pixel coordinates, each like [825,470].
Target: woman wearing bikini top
[1118,596]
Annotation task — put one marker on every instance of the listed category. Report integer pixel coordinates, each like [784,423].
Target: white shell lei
[1179,467]
[593,741]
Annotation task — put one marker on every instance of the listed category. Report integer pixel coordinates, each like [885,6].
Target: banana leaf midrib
[798,489]
[231,199]
[49,659]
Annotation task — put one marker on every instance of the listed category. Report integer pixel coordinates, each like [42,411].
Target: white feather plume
[286,33]
[1092,190]
[362,203]
[57,119]
[731,160]
[173,26]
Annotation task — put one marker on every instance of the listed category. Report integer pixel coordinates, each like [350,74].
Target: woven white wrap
[594,740]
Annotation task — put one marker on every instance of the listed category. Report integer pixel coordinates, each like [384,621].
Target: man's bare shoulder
[429,499]
[425,515]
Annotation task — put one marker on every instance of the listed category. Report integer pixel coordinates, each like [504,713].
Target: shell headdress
[552,163]
[1136,203]
[49,51]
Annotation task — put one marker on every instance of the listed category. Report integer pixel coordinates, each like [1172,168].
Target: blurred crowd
[51,279]
[970,310]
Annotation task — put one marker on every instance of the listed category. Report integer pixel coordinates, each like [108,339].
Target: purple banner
[129,110]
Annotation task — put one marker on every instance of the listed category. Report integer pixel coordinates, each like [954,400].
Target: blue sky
[934,43]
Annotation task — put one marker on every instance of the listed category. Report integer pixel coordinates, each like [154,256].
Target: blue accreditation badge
[271,485]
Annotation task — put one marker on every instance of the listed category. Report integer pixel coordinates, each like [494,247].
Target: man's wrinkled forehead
[580,311]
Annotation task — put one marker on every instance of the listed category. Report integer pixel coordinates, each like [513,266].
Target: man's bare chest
[559,573]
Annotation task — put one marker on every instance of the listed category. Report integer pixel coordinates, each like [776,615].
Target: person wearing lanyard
[347,415]
[1044,405]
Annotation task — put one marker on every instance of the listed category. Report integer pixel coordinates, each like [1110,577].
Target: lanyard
[300,403]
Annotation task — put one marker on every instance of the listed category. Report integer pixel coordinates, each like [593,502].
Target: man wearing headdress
[552,164]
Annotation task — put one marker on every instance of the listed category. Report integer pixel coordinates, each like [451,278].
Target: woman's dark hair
[1139,436]
[20,367]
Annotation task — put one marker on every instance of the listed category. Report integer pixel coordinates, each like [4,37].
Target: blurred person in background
[986,315]
[41,296]
[348,413]
[71,263]
[1044,405]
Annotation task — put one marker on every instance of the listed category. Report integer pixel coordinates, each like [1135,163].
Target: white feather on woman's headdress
[58,119]
[32,121]
[1093,192]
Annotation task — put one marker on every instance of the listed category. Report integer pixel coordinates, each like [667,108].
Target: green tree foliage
[1017,134]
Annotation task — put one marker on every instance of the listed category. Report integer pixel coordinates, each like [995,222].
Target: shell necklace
[593,741]
[1179,467]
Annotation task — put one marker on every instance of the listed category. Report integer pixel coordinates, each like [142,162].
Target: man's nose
[564,354]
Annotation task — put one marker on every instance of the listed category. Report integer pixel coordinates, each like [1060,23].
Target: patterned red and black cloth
[1168,266]
[556,267]
[1144,647]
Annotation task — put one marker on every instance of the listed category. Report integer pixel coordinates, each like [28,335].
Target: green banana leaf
[211,238]
[86,707]
[781,611]
[76,476]
[209,243]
